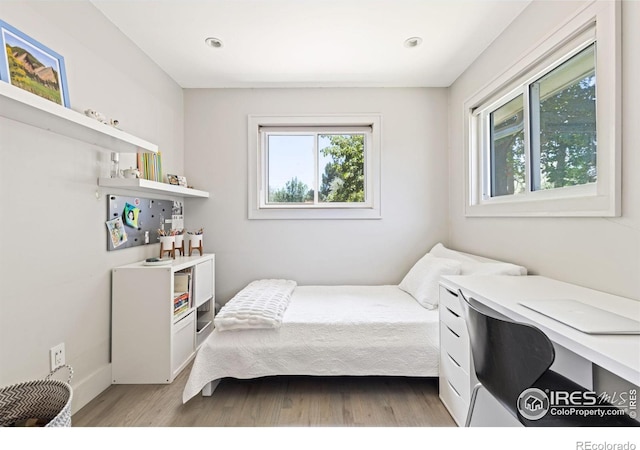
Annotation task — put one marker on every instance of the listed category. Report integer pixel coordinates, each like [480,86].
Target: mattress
[328,330]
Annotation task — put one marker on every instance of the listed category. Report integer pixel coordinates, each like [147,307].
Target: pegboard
[141,219]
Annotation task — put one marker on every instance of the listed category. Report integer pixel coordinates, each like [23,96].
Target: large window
[314,167]
[561,133]
[544,139]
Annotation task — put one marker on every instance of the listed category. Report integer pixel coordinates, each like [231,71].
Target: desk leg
[573,366]
[488,412]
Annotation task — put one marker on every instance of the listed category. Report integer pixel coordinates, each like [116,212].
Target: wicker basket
[37,403]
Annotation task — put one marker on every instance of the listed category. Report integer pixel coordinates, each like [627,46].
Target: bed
[335,330]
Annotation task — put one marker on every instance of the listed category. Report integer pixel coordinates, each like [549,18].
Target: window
[320,167]
[561,137]
[316,168]
[544,139]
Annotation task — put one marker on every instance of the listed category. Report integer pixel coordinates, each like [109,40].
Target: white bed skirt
[328,330]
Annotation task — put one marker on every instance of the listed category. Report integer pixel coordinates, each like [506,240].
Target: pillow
[480,268]
[421,282]
[441,251]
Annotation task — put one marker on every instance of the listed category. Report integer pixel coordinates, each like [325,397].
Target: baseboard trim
[89,388]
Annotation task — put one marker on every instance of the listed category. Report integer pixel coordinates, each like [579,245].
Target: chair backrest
[508,356]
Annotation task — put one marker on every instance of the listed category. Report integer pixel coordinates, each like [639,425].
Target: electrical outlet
[57,356]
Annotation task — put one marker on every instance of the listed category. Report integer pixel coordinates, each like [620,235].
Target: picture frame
[177,180]
[130,215]
[117,233]
[32,66]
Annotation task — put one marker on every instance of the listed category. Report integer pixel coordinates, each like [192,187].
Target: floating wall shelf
[22,106]
[151,187]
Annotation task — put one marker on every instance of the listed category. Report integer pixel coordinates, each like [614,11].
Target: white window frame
[598,22]
[260,126]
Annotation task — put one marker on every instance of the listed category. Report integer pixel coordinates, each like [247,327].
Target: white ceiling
[312,43]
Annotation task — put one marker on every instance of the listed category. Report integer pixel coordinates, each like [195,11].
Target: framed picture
[177,180]
[172,179]
[31,66]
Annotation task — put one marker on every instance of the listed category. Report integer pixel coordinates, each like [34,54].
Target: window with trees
[541,142]
[314,167]
[560,137]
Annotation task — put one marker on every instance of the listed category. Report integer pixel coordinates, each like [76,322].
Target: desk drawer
[454,321]
[450,299]
[453,401]
[456,345]
[455,374]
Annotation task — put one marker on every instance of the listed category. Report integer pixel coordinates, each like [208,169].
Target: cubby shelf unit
[150,344]
[22,106]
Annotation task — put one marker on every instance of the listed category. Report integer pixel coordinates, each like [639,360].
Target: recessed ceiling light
[413,42]
[213,42]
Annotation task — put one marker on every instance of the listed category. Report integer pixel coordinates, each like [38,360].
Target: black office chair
[511,358]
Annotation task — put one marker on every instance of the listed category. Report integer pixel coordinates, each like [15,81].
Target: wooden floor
[273,402]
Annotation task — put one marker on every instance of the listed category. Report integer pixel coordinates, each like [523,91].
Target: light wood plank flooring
[273,402]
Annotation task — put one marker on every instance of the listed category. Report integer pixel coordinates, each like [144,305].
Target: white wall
[55,269]
[600,253]
[414,200]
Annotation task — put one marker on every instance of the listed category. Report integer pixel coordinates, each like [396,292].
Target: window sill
[315,213]
[580,206]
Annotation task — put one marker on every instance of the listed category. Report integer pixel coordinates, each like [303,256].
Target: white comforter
[328,330]
[261,304]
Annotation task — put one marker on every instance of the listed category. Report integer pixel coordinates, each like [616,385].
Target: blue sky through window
[293,156]
[289,157]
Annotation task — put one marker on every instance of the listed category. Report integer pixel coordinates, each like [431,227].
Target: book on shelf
[183,308]
[182,281]
[181,299]
[150,166]
[177,296]
[177,313]
[182,286]
[179,303]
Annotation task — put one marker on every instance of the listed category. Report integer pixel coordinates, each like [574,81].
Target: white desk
[575,351]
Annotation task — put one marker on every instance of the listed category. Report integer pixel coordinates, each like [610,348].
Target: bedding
[327,330]
[259,305]
[341,330]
